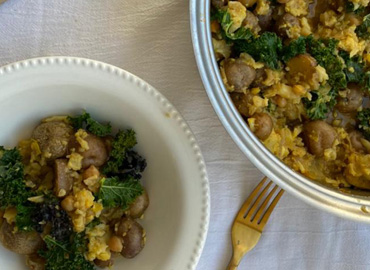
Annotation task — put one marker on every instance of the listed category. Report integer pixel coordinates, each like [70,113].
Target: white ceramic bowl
[176,221]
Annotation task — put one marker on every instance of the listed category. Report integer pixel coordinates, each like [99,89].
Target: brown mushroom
[218,3]
[301,68]
[251,22]
[285,23]
[35,262]
[355,137]
[63,179]
[104,264]
[53,138]
[239,74]
[318,136]
[241,102]
[138,207]
[24,243]
[264,21]
[133,236]
[97,153]
[352,100]
[248,3]
[263,125]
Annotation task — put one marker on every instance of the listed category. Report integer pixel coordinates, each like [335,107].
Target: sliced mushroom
[24,243]
[138,207]
[63,179]
[53,138]
[239,74]
[133,236]
[318,136]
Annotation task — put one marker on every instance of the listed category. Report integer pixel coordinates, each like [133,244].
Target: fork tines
[258,207]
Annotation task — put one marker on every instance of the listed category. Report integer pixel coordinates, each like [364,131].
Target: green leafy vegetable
[321,103]
[66,255]
[363,118]
[116,193]
[350,7]
[363,30]
[265,48]
[240,34]
[325,53]
[271,107]
[13,191]
[24,219]
[295,47]
[366,80]
[354,68]
[85,121]
[224,18]
[123,141]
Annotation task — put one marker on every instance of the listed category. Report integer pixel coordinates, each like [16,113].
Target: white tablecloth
[152,40]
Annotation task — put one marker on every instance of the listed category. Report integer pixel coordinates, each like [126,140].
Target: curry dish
[70,195]
[298,71]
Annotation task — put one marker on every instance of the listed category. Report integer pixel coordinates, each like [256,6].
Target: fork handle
[234,262]
[232,267]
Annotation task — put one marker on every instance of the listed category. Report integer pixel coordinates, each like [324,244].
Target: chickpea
[280,101]
[115,244]
[68,204]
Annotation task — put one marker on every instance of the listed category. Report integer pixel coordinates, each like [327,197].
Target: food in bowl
[298,71]
[71,197]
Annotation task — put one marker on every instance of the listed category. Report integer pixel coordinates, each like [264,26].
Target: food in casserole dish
[298,71]
[71,197]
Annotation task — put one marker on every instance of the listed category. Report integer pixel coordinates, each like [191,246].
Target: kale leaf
[240,34]
[86,122]
[321,103]
[354,68]
[49,213]
[350,7]
[324,51]
[366,80]
[363,122]
[116,193]
[294,48]
[123,161]
[13,190]
[265,48]
[224,18]
[363,30]
[24,219]
[66,255]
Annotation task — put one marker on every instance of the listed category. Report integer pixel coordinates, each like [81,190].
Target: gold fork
[251,219]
